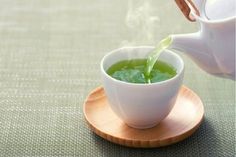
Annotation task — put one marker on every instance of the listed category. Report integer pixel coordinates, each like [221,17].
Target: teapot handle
[187,6]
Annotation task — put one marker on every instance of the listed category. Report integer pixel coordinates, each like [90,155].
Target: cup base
[142,126]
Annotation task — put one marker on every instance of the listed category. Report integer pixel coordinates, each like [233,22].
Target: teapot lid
[219,9]
[207,10]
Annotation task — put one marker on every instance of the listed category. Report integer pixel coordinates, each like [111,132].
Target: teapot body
[212,48]
[219,42]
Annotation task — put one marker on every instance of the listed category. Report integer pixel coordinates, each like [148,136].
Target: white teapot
[213,46]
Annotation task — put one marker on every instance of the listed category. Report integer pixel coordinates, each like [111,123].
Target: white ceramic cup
[141,105]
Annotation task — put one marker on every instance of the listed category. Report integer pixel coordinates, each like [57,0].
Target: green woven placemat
[49,62]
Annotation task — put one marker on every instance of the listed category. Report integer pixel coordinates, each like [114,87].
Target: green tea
[134,71]
[153,56]
[144,70]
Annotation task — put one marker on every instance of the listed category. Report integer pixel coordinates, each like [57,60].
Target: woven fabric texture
[49,61]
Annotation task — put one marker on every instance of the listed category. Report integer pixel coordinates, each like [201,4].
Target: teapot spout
[194,47]
[189,43]
[197,49]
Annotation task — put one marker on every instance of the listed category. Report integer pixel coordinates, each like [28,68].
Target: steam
[142,22]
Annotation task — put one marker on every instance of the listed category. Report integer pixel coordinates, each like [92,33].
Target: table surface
[49,61]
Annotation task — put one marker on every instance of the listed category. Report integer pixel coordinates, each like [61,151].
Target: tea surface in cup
[133,71]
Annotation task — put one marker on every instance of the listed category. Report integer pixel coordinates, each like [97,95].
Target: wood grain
[183,121]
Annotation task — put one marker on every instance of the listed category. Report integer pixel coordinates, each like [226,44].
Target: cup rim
[141,84]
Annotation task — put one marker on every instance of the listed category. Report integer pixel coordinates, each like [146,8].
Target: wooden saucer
[183,121]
